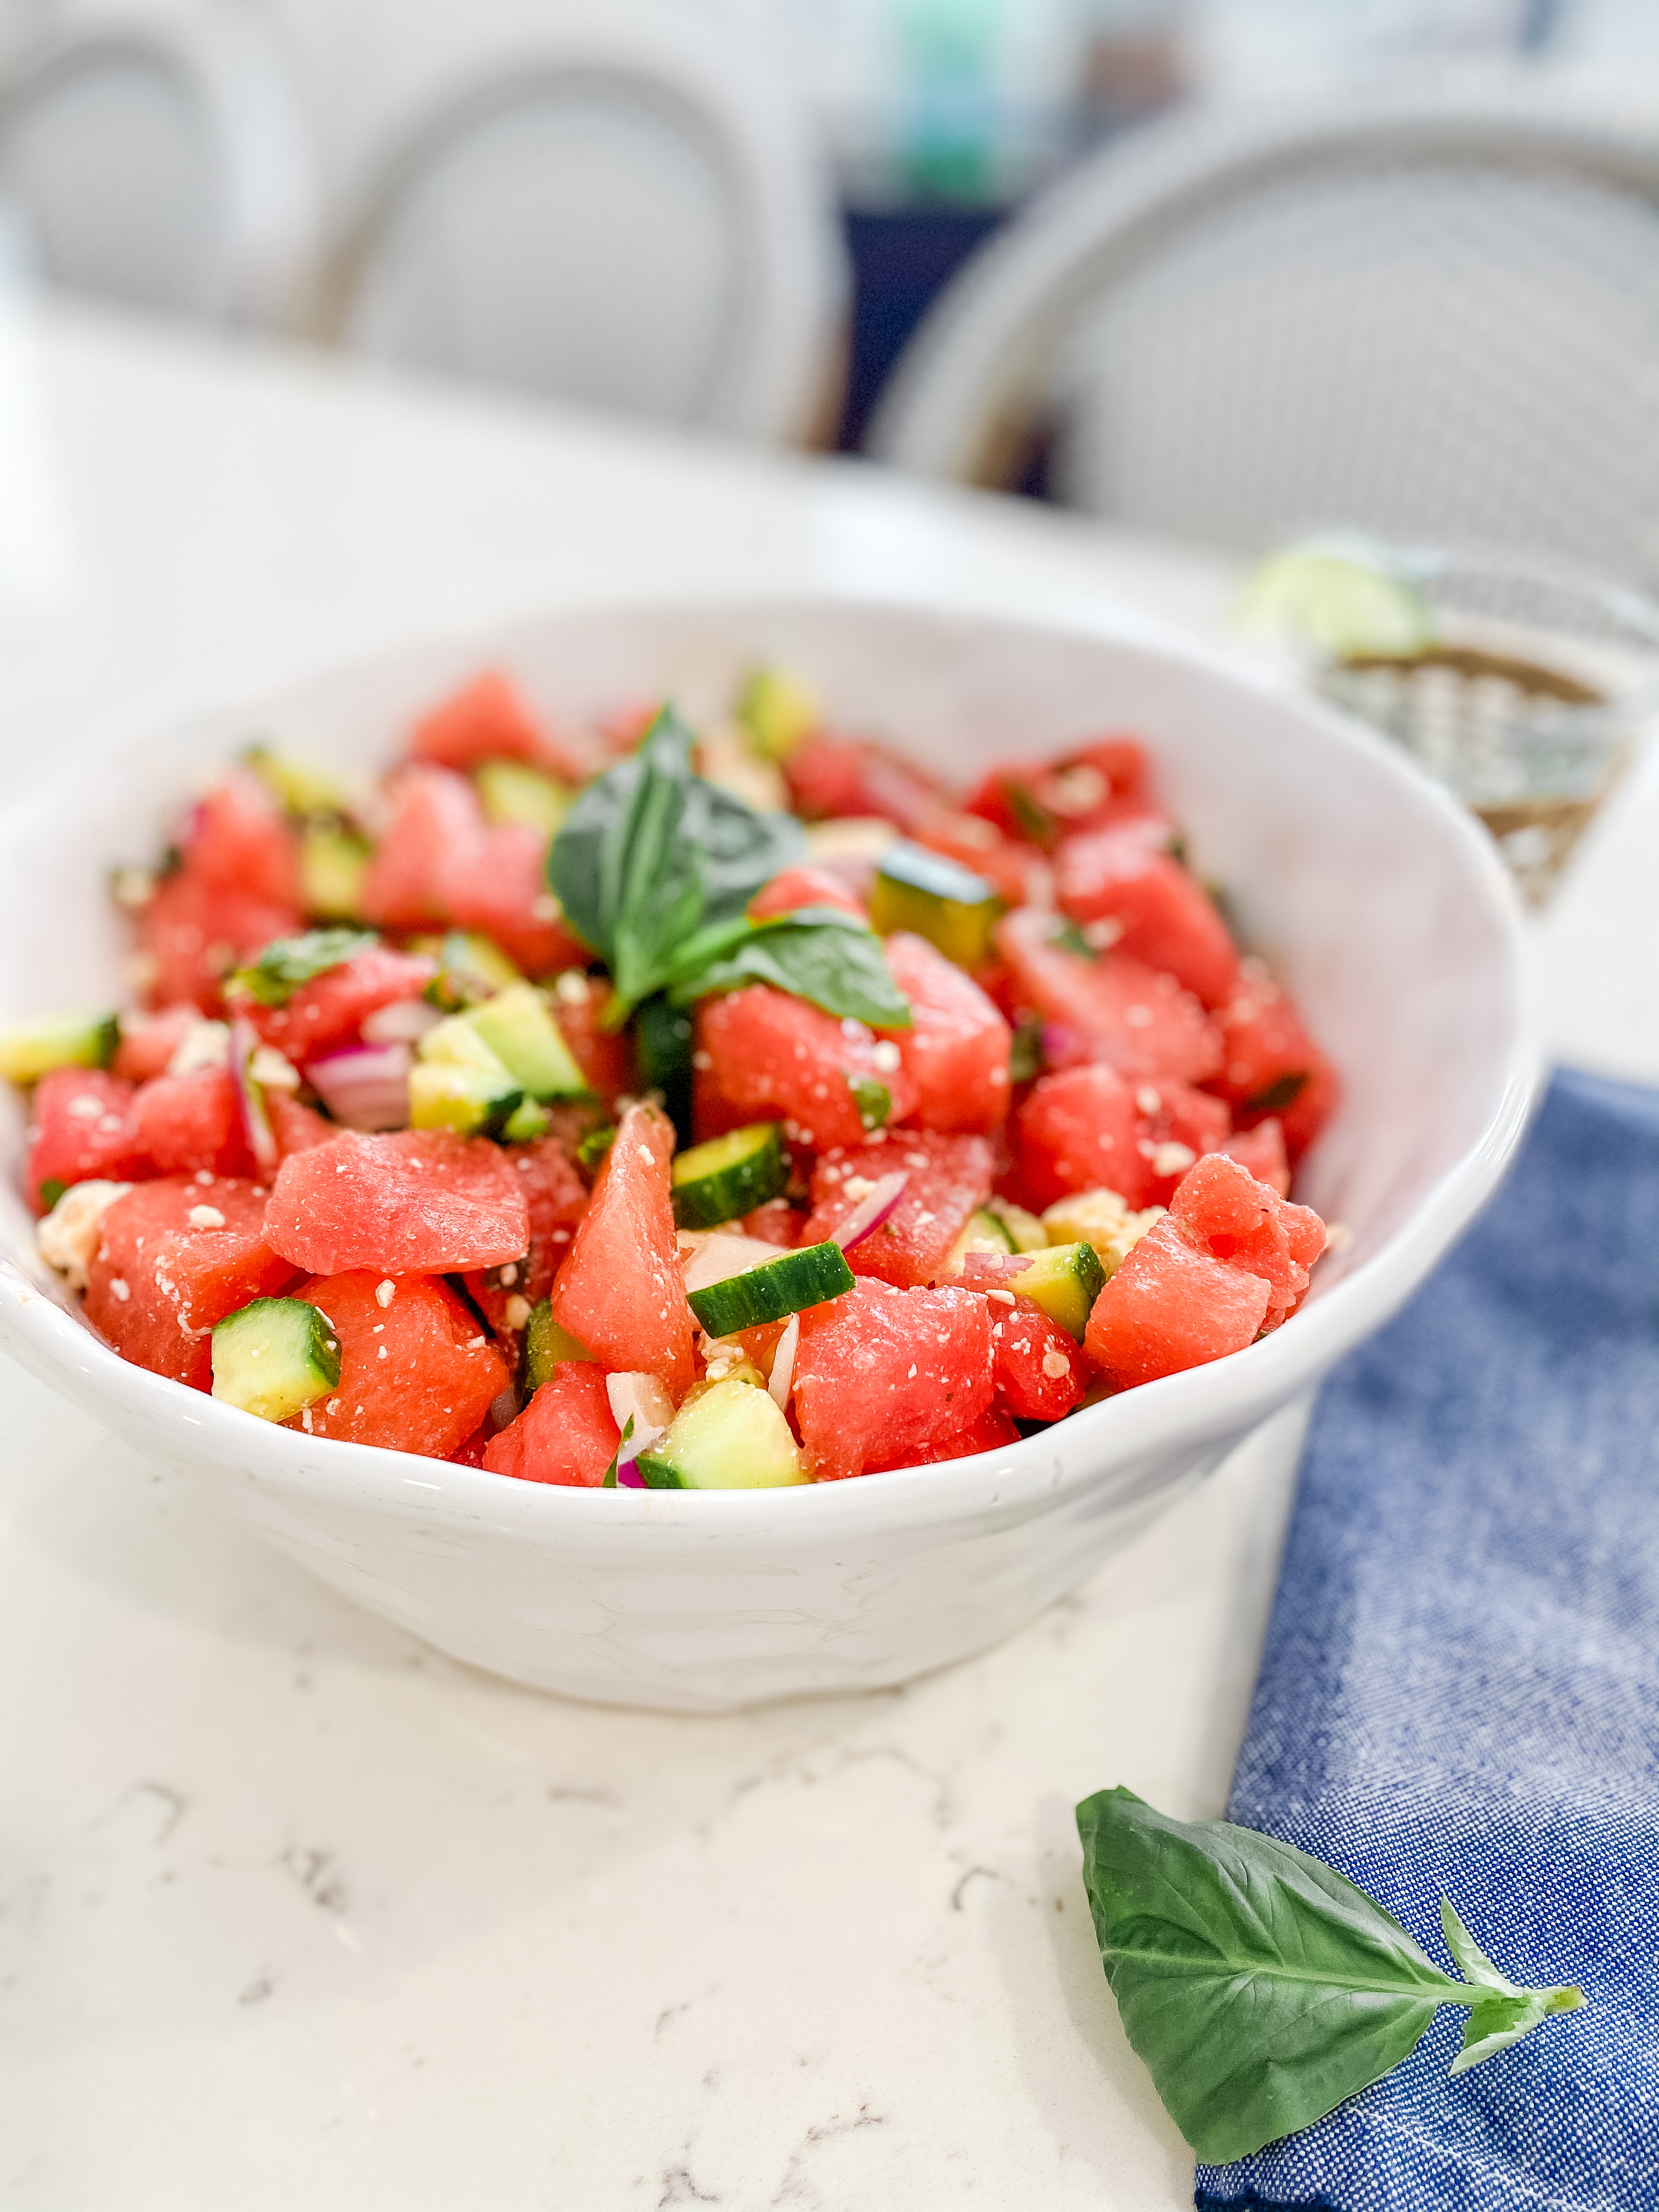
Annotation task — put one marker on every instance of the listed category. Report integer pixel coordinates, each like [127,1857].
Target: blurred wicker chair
[1434,314]
[621,208]
[159,157]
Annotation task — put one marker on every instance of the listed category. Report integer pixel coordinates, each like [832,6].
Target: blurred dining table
[295,1911]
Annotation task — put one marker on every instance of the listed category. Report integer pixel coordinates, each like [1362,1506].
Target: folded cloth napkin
[1459,1692]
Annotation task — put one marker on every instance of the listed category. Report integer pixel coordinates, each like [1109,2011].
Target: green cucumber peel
[1259,1987]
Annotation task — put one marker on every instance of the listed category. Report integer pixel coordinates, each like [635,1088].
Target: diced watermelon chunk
[192,934]
[192,1124]
[1105,780]
[994,1430]
[488,719]
[1223,1210]
[149,1040]
[774,1222]
[333,1006]
[1270,1065]
[81,1128]
[767,1054]
[1180,1124]
[1260,1151]
[1158,909]
[557,1198]
[239,840]
[1112,1009]
[436,823]
[1169,1307]
[1079,1130]
[829,776]
[174,1257]
[417,1202]
[955,1051]
[416,1372]
[798,887]
[620,1292]
[296,1127]
[948,1177]
[604,1057]
[499,885]
[567,1433]
[1041,1373]
[882,1375]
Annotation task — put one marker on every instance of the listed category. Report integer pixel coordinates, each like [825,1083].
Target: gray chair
[606,203]
[159,157]
[1432,312]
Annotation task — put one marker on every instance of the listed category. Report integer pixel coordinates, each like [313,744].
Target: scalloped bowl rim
[1223,1398]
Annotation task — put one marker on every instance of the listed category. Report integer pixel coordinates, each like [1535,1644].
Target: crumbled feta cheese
[1099,1217]
[1173,1159]
[86,1108]
[67,1239]
[272,1070]
[204,1044]
[1148,1100]
[1102,934]
[573,988]
[206,1217]
[119,1290]
[1003,1297]
[887,1057]
[518,1312]
[385,1293]
[857,1187]
[1055,1363]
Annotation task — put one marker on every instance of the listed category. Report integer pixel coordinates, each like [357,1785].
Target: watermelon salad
[727,1109]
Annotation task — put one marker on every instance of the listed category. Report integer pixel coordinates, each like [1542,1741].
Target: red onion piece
[782,1379]
[872,1210]
[643,1399]
[366,1086]
[1060,1045]
[250,1098]
[629,1476]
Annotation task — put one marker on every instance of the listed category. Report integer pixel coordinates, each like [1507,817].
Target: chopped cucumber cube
[526,1122]
[789,1284]
[274,1357]
[980,1232]
[940,900]
[510,792]
[727,1436]
[473,1101]
[455,1043]
[288,962]
[730,1175]
[1025,1233]
[546,1344]
[30,1050]
[1064,1281]
[518,1026]
[332,865]
[776,711]
[302,785]
[471,968]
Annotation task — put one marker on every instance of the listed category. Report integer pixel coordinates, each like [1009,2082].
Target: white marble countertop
[293,1912]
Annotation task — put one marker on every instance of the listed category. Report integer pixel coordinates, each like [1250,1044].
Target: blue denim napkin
[1460,1691]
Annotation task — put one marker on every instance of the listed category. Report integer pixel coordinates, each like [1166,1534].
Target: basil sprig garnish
[654,866]
[1259,1987]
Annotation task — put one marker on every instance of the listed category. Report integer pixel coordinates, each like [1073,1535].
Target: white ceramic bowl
[1380,904]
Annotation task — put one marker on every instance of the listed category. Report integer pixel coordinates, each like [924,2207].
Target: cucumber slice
[274,1357]
[32,1049]
[332,863]
[546,1344]
[948,905]
[510,792]
[288,962]
[789,1284]
[518,1026]
[730,1175]
[727,1436]
[776,711]
[474,1102]
[1064,1281]
[526,1122]
[1025,1233]
[471,968]
[980,1232]
[303,787]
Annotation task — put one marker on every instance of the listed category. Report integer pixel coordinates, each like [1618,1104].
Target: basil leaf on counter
[1261,1988]
[817,953]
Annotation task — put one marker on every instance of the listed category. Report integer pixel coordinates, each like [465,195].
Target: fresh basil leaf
[1259,1987]
[662,1036]
[873,1100]
[737,849]
[287,961]
[817,953]
[1503,2012]
[650,869]
[594,1145]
